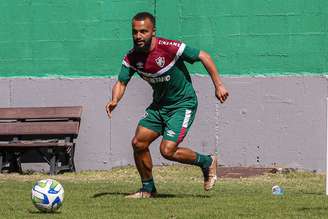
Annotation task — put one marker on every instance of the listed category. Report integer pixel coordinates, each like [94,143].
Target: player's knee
[168,152]
[139,145]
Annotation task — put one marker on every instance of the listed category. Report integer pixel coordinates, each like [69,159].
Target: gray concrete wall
[267,120]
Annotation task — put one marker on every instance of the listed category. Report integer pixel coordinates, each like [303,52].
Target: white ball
[47,195]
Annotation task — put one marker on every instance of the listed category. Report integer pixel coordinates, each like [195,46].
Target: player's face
[142,33]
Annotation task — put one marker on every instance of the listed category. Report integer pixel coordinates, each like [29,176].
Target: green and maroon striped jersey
[164,69]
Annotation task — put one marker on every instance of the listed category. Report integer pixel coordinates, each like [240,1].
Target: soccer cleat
[142,194]
[209,174]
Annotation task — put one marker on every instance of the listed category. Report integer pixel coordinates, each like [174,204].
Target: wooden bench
[51,131]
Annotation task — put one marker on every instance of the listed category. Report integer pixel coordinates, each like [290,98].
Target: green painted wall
[88,38]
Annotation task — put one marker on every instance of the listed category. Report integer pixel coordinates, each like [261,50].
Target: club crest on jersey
[139,65]
[160,61]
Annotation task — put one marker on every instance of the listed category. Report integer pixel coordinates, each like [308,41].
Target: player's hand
[221,93]
[110,106]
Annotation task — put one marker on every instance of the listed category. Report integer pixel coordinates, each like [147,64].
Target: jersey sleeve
[125,74]
[190,54]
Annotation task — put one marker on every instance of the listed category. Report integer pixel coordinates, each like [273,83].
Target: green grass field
[101,195]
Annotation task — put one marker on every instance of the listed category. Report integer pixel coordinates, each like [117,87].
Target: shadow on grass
[308,193]
[161,195]
[312,193]
[43,213]
[313,209]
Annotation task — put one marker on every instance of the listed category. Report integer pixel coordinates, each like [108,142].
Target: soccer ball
[47,195]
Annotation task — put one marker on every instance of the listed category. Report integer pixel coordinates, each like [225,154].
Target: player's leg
[140,143]
[208,163]
[177,126]
[170,150]
[148,130]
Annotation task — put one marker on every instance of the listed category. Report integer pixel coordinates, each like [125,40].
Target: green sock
[148,185]
[203,161]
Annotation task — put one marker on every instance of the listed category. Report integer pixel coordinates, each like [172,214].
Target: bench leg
[53,164]
[50,157]
[71,158]
[15,163]
[1,162]
[19,163]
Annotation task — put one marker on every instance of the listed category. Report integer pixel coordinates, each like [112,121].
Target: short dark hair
[143,16]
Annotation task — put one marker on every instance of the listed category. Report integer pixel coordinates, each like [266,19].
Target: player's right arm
[119,87]
[191,55]
[117,94]
[220,91]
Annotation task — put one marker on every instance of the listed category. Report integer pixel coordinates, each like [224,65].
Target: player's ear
[154,31]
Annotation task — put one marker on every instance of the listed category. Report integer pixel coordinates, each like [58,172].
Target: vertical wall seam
[326,133]
[326,77]
[217,128]
[110,126]
[179,18]
[155,7]
[11,91]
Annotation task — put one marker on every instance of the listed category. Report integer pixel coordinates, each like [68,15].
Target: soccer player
[160,62]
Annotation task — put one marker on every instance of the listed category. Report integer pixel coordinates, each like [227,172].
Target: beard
[145,47]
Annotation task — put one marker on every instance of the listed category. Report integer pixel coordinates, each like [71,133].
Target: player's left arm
[220,91]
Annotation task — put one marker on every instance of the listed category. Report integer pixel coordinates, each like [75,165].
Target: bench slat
[34,145]
[39,128]
[73,112]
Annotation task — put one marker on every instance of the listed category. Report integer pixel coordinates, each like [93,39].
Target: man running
[160,62]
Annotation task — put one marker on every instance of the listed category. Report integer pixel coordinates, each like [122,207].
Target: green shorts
[173,124]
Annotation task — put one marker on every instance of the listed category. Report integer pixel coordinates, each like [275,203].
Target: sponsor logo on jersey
[167,43]
[158,79]
[170,133]
[160,61]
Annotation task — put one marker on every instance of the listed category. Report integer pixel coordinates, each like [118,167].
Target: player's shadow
[160,195]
